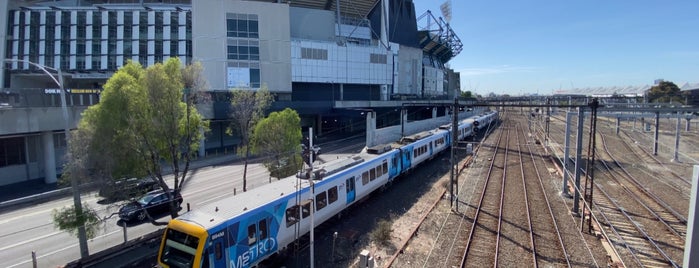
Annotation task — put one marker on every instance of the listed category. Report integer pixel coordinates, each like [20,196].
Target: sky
[537,47]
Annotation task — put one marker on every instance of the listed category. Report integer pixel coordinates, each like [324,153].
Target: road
[31,228]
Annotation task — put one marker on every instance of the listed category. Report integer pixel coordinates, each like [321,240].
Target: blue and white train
[245,229]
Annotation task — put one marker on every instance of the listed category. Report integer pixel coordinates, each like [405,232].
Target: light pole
[82,235]
[333,254]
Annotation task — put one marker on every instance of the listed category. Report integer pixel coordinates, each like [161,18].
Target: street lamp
[82,235]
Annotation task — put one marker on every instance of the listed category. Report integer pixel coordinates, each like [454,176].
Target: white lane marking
[58,250]
[29,241]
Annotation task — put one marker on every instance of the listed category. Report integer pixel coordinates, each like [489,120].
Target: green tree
[247,108]
[466,94]
[278,136]
[665,92]
[141,125]
[67,219]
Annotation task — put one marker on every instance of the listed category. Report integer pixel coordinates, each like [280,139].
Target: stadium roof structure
[437,38]
[348,8]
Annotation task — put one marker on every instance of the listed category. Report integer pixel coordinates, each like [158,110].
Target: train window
[263,229]
[321,200]
[252,234]
[365,178]
[217,251]
[306,210]
[372,174]
[292,215]
[378,171]
[332,194]
[385,167]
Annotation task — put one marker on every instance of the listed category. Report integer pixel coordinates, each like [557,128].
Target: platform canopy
[628,91]
[688,86]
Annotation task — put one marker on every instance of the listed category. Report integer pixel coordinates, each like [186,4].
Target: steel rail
[647,153]
[502,199]
[681,219]
[480,203]
[638,228]
[548,205]
[526,199]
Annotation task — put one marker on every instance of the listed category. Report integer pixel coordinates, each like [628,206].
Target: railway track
[484,236]
[650,212]
[549,249]
[648,157]
[627,211]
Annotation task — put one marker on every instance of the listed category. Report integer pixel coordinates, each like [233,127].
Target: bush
[382,233]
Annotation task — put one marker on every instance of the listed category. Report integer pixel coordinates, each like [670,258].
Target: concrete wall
[409,80]
[209,41]
[38,119]
[433,81]
[393,133]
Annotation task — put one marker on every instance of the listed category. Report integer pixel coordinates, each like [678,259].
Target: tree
[665,92]
[466,94]
[278,136]
[67,219]
[247,108]
[141,124]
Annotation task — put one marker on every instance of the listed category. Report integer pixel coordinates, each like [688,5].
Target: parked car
[127,188]
[154,202]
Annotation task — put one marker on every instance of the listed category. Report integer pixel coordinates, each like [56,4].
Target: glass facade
[243,50]
[98,40]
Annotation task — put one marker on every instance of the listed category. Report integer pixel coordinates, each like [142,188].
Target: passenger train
[245,229]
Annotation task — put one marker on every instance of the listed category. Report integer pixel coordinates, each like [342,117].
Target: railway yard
[511,189]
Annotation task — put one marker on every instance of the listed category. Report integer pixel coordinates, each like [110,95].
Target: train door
[393,171]
[219,250]
[350,189]
[407,152]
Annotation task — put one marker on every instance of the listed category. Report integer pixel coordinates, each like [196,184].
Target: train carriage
[264,221]
[245,229]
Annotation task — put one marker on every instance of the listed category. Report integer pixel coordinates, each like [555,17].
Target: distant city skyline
[521,47]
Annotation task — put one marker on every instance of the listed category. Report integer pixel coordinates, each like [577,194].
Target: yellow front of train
[182,245]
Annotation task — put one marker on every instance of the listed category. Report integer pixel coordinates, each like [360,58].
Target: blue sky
[522,47]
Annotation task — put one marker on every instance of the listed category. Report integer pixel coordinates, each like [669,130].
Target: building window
[243,52]
[314,53]
[243,77]
[242,25]
[377,58]
[12,151]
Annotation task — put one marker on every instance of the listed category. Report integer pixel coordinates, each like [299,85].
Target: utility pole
[82,234]
[311,184]
[454,142]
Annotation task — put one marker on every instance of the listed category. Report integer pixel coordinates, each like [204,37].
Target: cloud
[496,70]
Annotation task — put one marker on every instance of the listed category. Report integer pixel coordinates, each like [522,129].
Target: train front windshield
[179,249]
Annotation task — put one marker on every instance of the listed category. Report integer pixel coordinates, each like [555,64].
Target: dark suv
[155,202]
[127,188]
